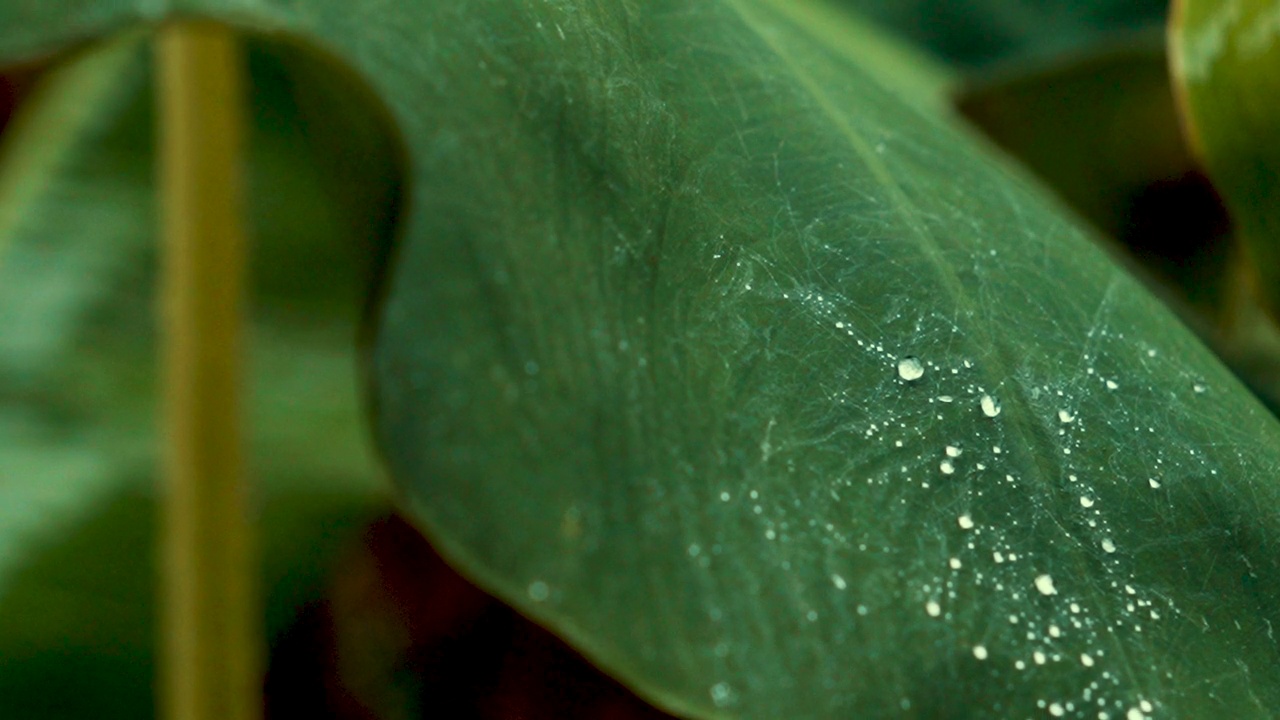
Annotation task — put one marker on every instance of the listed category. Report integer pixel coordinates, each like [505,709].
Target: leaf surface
[715,351]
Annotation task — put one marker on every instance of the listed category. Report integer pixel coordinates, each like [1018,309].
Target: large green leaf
[77,428]
[1225,58]
[716,350]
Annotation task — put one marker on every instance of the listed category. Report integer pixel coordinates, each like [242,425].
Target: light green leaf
[1225,56]
[776,394]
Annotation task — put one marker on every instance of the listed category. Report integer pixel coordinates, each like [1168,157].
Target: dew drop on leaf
[990,407]
[721,694]
[1044,583]
[539,591]
[910,368]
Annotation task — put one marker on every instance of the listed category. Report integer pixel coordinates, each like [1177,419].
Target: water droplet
[1055,631]
[953,451]
[1199,387]
[721,694]
[910,368]
[1038,657]
[1111,385]
[954,563]
[1056,710]
[945,398]
[997,556]
[933,608]
[966,522]
[812,615]
[539,591]
[1155,484]
[1065,416]
[980,652]
[1086,501]
[838,582]
[1146,706]
[1086,659]
[990,407]
[1044,583]
[946,467]
[1134,714]
[724,496]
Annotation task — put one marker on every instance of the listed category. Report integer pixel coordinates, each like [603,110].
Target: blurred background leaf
[77,427]
[977,33]
[1226,69]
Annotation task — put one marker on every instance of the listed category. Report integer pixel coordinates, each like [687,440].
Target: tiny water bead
[1065,416]
[980,652]
[910,368]
[539,591]
[966,522]
[947,467]
[990,406]
[1044,584]
[839,582]
[721,694]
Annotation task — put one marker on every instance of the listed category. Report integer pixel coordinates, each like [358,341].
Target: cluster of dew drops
[1047,640]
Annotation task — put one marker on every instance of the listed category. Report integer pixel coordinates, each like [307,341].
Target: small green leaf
[1225,55]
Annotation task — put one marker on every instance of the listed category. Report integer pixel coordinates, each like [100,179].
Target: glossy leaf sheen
[637,371]
[1225,60]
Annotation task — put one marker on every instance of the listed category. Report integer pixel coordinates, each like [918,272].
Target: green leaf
[647,369]
[985,32]
[1099,125]
[1225,54]
[77,427]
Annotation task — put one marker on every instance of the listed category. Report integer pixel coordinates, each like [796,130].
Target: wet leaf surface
[717,351]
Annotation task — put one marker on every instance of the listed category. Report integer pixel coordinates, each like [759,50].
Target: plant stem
[210,620]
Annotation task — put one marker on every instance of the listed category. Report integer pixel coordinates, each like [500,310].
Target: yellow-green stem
[211,645]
